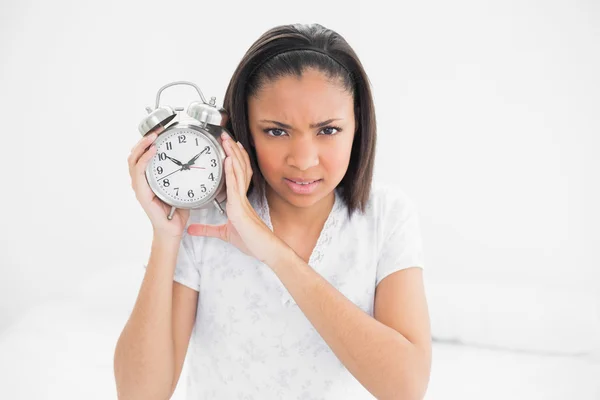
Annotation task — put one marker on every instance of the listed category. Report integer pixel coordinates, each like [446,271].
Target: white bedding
[63,349]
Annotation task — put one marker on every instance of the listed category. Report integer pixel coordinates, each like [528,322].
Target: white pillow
[537,319]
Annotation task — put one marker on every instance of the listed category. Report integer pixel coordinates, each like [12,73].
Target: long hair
[247,80]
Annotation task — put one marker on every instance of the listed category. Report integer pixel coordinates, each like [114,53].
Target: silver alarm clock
[187,169]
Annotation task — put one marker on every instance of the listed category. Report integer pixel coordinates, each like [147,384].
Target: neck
[301,219]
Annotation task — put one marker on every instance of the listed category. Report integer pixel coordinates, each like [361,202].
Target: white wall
[487,111]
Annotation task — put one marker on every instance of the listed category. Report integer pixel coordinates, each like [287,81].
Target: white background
[487,115]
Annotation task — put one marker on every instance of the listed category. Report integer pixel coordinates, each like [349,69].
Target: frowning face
[302,129]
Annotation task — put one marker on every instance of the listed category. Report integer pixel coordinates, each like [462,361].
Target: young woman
[311,285]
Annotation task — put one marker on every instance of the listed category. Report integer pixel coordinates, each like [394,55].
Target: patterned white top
[250,339]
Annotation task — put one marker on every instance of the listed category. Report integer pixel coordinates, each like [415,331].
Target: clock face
[186,166]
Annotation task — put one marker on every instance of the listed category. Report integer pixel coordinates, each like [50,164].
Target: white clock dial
[196,180]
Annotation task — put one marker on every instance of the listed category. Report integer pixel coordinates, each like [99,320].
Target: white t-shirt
[250,339]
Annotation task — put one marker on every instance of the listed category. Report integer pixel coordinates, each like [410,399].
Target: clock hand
[193,160]
[174,160]
[177,170]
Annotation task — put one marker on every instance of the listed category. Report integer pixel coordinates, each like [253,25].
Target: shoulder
[389,201]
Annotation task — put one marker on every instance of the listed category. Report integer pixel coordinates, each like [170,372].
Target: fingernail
[240,145]
[225,135]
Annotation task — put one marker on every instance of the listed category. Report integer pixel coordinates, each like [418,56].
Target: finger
[139,149]
[240,175]
[236,165]
[238,169]
[246,158]
[144,142]
[230,180]
[138,180]
[242,166]
[144,160]
[218,231]
[238,153]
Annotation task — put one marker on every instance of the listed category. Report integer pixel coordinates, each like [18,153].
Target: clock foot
[170,216]
[218,206]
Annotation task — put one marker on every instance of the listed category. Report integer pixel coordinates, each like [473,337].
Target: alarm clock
[187,170]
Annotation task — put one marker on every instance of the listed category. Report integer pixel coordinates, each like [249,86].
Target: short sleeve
[402,245]
[186,267]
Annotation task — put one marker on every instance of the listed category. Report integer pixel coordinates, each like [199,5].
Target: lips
[299,180]
[303,188]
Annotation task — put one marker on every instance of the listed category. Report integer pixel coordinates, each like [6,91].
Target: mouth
[302,187]
[303,181]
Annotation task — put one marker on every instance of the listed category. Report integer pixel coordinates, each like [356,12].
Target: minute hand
[193,160]
[177,170]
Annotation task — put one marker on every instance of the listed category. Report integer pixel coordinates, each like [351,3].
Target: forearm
[144,355]
[382,360]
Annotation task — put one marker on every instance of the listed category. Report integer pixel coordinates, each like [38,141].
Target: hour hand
[174,160]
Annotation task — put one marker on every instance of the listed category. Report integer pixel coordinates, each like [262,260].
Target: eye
[332,127]
[326,129]
[273,129]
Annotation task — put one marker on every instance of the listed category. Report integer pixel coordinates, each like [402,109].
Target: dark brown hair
[355,186]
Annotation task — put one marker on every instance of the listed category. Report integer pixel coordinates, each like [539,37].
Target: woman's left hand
[244,228]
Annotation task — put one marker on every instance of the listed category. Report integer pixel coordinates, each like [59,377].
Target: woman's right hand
[154,207]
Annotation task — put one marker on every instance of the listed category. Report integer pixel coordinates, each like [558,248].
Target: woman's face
[288,146]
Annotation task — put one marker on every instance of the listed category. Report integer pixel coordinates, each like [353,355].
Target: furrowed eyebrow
[286,126]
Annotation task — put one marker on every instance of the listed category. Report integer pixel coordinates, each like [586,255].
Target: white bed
[63,349]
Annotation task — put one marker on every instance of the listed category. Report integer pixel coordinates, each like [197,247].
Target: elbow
[411,391]
[413,381]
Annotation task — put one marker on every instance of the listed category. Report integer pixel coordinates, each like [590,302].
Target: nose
[304,153]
